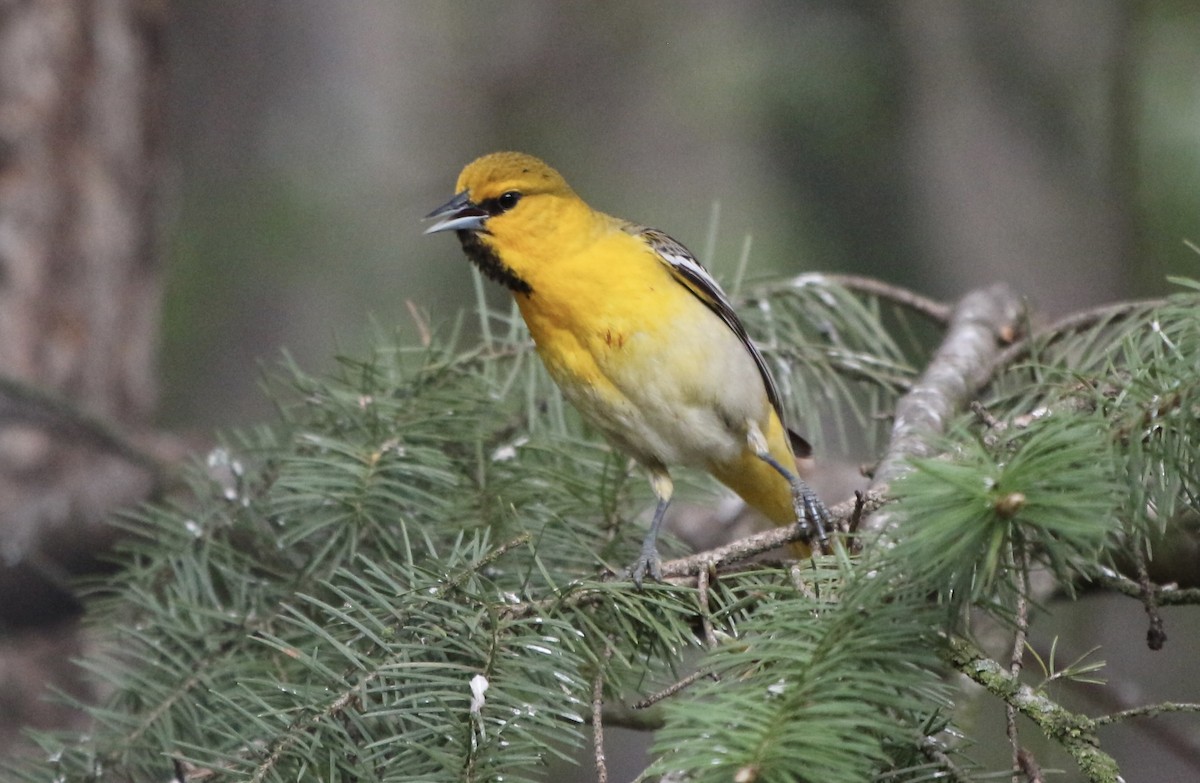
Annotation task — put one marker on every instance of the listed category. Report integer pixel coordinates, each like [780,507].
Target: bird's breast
[650,366]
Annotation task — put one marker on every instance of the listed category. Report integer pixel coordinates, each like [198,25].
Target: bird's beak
[457,214]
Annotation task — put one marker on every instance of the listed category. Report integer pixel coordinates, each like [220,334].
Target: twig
[670,690]
[710,636]
[1021,569]
[597,716]
[1171,737]
[765,541]
[930,308]
[1072,323]
[684,571]
[1156,635]
[1074,732]
[933,751]
[482,562]
[960,367]
[1029,766]
[857,514]
[1163,596]
[1149,711]
[306,723]
[984,415]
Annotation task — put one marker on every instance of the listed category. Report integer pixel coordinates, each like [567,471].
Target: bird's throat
[484,257]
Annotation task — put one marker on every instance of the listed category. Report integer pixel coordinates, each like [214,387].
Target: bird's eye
[508,200]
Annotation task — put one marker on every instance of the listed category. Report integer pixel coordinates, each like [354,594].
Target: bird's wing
[691,275]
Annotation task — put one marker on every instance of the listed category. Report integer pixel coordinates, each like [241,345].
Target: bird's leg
[805,502]
[648,560]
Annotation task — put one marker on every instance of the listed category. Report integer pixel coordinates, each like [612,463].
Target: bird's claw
[815,521]
[648,562]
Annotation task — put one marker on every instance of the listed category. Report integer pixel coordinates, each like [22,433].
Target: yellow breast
[641,357]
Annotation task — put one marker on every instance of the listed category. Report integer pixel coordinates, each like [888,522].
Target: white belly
[682,400]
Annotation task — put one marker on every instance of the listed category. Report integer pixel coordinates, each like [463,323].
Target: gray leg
[648,560]
[806,503]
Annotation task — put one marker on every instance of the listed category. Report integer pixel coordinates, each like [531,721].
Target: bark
[81,153]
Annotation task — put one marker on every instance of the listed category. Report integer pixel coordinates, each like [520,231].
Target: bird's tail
[760,484]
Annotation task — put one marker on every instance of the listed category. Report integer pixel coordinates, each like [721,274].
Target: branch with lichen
[1075,733]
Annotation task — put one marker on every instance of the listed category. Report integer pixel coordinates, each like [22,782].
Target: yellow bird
[639,337]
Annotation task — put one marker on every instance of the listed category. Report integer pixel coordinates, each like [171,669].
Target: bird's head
[510,211]
[503,188]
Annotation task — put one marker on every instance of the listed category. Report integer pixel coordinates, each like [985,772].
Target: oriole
[641,340]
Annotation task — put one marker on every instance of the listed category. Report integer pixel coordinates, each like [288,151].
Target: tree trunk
[82,86]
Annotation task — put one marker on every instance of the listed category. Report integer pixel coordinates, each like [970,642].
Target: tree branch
[684,571]
[1021,758]
[1148,711]
[1072,323]
[687,568]
[1163,595]
[960,367]
[1074,732]
[930,308]
[598,719]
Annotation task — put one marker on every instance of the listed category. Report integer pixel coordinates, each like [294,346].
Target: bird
[639,337]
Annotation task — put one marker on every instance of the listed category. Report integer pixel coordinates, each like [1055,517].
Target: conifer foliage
[414,573]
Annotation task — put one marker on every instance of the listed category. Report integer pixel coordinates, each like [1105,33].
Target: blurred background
[936,144]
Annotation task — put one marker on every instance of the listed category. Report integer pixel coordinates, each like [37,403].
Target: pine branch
[1075,733]
[685,569]
[1075,322]
[939,312]
[959,368]
[833,680]
[433,520]
[1164,595]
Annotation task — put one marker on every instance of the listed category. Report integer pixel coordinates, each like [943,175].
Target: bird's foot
[648,562]
[814,520]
